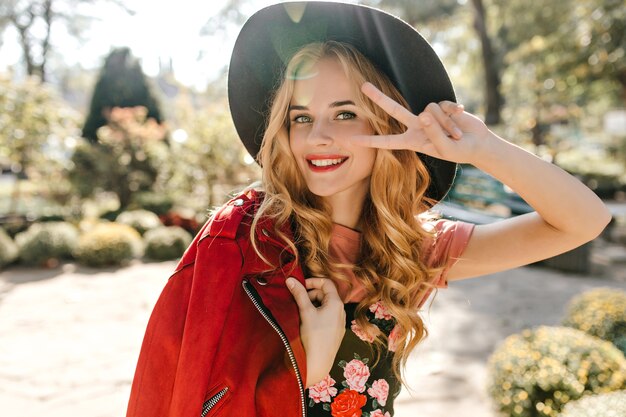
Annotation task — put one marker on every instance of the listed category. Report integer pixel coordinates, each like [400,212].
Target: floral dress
[354,388]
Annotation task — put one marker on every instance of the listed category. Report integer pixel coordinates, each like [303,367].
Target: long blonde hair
[389,264]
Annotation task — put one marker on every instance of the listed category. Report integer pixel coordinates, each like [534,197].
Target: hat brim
[271,36]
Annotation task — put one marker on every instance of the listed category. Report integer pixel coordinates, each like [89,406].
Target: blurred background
[116,142]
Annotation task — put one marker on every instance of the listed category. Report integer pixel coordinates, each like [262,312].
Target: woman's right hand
[321,328]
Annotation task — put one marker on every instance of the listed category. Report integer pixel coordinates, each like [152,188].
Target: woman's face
[323,115]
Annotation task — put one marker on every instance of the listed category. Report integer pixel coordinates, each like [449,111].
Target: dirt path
[69,337]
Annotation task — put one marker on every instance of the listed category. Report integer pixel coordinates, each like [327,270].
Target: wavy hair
[389,264]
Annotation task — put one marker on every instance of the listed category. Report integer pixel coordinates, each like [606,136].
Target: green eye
[346,115]
[302,119]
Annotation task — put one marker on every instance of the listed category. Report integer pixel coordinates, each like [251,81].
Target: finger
[450,107]
[327,286]
[299,294]
[380,141]
[444,120]
[434,131]
[316,296]
[390,106]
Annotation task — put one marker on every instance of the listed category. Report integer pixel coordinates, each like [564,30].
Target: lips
[325,163]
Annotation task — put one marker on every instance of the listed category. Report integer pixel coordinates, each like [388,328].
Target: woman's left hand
[443,130]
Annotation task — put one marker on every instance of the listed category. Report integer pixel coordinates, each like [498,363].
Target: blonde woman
[302,296]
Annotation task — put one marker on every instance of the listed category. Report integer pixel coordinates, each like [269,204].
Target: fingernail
[457,132]
[290,283]
[426,120]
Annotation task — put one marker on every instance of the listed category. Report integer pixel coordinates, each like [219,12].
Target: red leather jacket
[224,337]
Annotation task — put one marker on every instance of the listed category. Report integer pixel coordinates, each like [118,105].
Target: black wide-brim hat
[271,36]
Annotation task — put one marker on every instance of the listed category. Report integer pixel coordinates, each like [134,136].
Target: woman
[359,138]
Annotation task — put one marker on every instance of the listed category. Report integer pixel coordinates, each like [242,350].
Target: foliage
[108,244]
[570,66]
[43,243]
[8,249]
[611,404]
[158,203]
[127,159]
[140,220]
[37,132]
[210,154]
[166,242]
[536,372]
[122,83]
[600,312]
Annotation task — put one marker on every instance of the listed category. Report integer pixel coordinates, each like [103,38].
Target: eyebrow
[333,104]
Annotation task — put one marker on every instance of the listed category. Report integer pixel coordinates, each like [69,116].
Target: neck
[347,208]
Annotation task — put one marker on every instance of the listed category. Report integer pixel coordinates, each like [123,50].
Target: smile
[324,165]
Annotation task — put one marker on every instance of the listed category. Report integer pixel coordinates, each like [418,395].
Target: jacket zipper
[210,403]
[256,300]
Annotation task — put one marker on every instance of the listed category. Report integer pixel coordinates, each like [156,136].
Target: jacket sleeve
[154,379]
[155,373]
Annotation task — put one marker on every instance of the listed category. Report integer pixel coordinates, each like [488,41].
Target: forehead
[324,80]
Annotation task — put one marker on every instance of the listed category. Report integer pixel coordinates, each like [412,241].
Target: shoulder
[445,237]
[225,221]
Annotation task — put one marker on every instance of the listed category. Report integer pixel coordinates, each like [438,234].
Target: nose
[320,133]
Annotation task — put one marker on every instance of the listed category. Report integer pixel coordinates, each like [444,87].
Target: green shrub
[166,242]
[536,372]
[158,203]
[8,249]
[611,404]
[600,312]
[45,242]
[140,220]
[109,244]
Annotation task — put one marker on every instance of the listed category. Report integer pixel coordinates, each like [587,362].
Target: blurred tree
[121,83]
[126,159]
[33,20]
[207,156]
[443,15]
[37,130]
[571,62]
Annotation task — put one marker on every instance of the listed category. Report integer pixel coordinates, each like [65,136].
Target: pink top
[444,250]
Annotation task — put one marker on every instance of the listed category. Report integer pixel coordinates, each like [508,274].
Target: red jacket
[224,338]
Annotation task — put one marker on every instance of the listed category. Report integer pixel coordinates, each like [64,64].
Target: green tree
[570,65]
[440,19]
[121,83]
[37,130]
[208,159]
[34,21]
[126,159]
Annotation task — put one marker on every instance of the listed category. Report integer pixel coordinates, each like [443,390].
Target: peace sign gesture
[443,130]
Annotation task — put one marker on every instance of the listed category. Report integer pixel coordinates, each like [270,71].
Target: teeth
[326,162]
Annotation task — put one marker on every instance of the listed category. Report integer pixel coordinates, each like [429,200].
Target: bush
[166,242]
[536,372]
[140,220]
[43,243]
[109,244]
[600,312]
[8,249]
[611,404]
[158,203]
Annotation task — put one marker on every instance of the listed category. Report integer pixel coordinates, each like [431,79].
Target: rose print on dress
[380,391]
[348,404]
[380,311]
[322,391]
[379,413]
[361,333]
[393,339]
[356,373]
